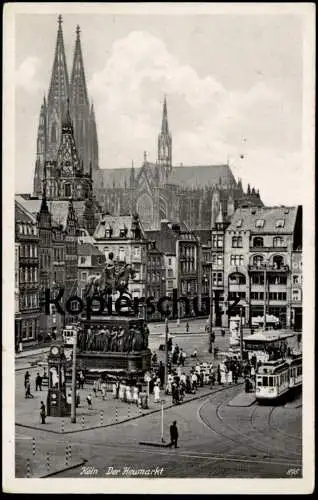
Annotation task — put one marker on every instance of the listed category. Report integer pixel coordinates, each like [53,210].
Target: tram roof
[268,336]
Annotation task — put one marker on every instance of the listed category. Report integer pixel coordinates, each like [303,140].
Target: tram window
[259,381]
[270,381]
[265,381]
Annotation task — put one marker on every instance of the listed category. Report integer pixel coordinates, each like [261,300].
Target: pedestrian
[26,379]
[28,390]
[156,392]
[187,327]
[38,382]
[81,380]
[95,387]
[42,413]
[174,435]
[89,401]
[103,389]
[218,375]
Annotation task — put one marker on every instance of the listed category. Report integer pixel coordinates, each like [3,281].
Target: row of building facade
[256,256]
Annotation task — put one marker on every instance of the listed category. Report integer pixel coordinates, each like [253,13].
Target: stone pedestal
[133,361]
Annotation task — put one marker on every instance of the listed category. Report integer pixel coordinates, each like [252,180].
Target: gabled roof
[116,223]
[245,219]
[58,209]
[22,215]
[86,249]
[183,176]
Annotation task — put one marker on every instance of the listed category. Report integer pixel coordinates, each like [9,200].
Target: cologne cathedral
[160,191]
[63,94]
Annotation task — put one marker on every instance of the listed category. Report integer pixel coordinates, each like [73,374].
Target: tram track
[240,438]
[279,431]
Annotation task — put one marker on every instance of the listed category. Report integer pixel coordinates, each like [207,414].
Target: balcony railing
[268,249]
[269,267]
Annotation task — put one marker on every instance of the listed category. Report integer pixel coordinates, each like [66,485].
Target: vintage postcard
[158,262]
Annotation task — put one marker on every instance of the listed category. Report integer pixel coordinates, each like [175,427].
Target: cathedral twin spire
[165,143]
[66,96]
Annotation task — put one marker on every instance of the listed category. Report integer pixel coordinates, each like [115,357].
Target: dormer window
[123,233]
[259,223]
[108,232]
[280,223]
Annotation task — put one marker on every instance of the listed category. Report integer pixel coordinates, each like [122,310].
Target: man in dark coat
[38,382]
[174,435]
[42,413]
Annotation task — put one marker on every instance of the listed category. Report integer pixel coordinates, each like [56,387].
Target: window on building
[239,223]
[258,242]
[259,223]
[122,257]
[258,260]
[296,279]
[296,295]
[237,260]
[82,260]
[234,295]
[217,241]
[169,261]
[280,223]
[277,241]
[237,242]
[237,279]
[278,261]
[83,275]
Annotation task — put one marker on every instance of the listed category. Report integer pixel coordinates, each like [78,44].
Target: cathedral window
[67,190]
[53,133]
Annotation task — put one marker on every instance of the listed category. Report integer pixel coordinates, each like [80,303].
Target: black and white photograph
[158,263]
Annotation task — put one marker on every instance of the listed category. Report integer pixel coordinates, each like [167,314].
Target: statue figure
[129,340]
[137,341]
[121,340]
[113,340]
[106,340]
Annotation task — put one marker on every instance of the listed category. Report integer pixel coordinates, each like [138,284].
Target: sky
[233,85]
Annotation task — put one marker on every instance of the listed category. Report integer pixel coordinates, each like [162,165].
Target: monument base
[131,362]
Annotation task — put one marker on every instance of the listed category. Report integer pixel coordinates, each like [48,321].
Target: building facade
[125,238]
[63,93]
[91,262]
[26,277]
[260,245]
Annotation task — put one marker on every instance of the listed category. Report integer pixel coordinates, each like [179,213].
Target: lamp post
[241,334]
[73,407]
[166,351]
[162,404]
[211,311]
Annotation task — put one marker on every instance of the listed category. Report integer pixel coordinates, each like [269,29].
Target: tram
[276,378]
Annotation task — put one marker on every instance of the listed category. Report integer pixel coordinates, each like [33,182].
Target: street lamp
[73,407]
[211,310]
[166,351]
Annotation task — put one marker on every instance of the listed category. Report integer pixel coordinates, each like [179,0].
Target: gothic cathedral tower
[165,146]
[53,110]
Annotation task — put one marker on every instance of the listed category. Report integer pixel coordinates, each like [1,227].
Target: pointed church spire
[78,92]
[59,87]
[67,120]
[164,124]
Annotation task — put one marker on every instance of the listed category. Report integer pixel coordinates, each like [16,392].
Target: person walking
[103,389]
[81,380]
[156,392]
[26,379]
[28,390]
[38,382]
[42,413]
[89,401]
[174,435]
[218,375]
